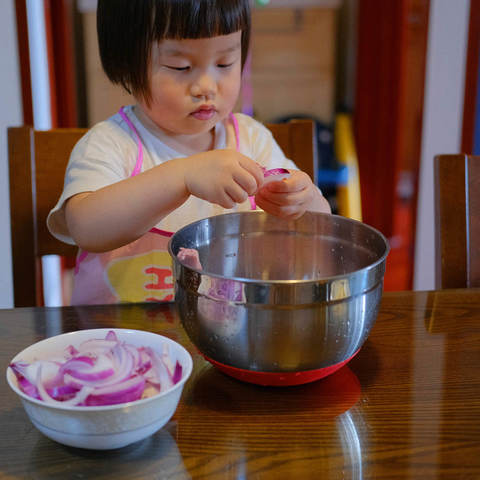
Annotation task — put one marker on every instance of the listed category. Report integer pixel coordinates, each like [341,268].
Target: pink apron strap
[234,120]
[158,231]
[139,163]
[82,255]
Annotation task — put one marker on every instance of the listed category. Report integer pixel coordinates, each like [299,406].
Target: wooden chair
[296,139]
[457,221]
[37,162]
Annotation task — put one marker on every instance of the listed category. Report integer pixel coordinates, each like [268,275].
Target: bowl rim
[12,381]
[315,281]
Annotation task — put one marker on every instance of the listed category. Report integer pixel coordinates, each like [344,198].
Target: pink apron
[138,272]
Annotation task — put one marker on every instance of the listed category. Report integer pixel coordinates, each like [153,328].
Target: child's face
[194,83]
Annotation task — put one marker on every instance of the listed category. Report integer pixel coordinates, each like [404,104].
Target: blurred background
[389,84]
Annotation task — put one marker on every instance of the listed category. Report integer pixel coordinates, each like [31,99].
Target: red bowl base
[277,379]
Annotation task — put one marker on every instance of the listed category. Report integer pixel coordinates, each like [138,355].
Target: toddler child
[176,156]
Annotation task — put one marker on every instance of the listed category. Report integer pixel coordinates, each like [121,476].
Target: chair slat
[37,162]
[457,221]
[296,139]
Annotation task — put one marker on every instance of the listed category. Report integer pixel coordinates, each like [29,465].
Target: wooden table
[408,406]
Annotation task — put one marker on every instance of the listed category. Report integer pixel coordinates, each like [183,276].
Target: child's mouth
[204,113]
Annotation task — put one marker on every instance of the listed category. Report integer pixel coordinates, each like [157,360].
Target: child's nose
[204,86]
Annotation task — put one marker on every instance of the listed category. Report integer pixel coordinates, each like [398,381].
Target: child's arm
[122,212]
[292,197]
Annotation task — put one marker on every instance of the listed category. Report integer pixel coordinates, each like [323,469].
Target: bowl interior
[257,246]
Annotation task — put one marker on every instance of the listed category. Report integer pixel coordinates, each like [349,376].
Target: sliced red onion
[71,350]
[275,171]
[223,289]
[111,335]
[189,257]
[62,392]
[127,391]
[272,175]
[87,369]
[163,377]
[98,372]
[177,374]
[92,377]
[220,289]
[78,398]
[275,175]
[29,371]
[20,370]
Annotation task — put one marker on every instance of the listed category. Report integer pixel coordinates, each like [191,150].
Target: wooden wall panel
[293,62]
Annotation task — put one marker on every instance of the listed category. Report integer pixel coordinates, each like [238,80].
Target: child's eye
[225,65]
[178,69]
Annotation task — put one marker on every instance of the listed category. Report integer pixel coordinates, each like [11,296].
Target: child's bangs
[200,18]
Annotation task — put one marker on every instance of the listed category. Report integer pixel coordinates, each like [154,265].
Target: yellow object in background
[348,195]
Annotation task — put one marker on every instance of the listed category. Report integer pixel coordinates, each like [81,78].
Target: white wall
[10,115]
[442,118]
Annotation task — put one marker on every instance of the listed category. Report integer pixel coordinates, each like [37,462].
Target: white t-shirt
[107,153]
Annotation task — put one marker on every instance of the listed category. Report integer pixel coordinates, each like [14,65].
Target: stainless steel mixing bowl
[276,295]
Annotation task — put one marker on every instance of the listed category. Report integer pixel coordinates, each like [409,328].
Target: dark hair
[128,28]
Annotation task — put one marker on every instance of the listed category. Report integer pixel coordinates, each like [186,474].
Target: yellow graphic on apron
[143,278]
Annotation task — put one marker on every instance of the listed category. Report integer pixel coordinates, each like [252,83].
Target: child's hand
[224,177]
[291,197]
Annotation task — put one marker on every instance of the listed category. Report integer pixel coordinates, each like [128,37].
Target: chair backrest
[296,139]
[457,221]
[37,163]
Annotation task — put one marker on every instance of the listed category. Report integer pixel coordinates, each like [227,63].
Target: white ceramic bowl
[102,427]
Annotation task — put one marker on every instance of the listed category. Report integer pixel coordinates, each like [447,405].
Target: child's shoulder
[110,126]
[248,121]
[251,126]
[108,131]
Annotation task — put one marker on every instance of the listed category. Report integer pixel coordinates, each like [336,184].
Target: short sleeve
[257,142]
[105,155]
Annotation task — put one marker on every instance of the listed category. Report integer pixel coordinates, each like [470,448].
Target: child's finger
[280,186]
[282,211]
[236,193]
[246,181]
[254,169]
[282,194]
[282,198]
[294,183]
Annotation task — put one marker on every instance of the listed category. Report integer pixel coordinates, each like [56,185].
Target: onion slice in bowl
[99,372]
